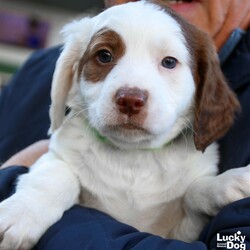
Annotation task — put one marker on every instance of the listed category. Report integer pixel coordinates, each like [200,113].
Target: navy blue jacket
[24,119]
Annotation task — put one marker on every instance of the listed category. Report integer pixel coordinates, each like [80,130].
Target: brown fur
[91,69]
[216,104]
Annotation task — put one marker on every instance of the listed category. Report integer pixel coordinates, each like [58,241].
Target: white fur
[155,181]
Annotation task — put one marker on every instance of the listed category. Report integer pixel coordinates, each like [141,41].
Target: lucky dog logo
[234,241]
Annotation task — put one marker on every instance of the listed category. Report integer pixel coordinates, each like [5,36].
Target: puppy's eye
[104,56]
[169,62]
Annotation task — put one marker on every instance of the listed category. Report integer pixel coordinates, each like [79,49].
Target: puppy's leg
[207,195]
[40,200]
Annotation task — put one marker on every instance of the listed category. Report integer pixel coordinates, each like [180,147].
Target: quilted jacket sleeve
[24,103]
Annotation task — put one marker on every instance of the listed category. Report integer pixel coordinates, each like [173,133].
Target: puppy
[147,100]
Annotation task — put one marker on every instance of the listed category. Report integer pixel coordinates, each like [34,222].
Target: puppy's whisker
[74,114]
[79,104]
[188,124]
[184,137]
[88,128]
[82,111]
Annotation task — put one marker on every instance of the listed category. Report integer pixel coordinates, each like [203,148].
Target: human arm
[29,155]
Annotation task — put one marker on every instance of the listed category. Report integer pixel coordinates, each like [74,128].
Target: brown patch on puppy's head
[71,63]
[104,41]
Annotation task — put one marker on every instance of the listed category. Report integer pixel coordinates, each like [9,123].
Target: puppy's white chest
[143,188]
[135,191]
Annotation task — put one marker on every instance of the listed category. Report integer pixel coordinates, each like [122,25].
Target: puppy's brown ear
[76,36]
[215,103]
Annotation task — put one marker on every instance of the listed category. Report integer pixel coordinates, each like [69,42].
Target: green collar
[101,137]
[105,140]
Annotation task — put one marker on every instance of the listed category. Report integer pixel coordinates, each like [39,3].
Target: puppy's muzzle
[131,101]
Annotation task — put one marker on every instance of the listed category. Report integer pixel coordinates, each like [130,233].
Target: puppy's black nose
[130,101]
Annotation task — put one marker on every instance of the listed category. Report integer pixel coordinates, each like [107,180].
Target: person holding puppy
[227,23]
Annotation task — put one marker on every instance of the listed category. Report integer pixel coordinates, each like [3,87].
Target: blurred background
[27,25]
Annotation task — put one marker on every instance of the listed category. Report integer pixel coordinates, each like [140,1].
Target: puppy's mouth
[126,132]
[129,127]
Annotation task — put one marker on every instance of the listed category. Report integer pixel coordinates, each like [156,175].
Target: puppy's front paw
[19,226]
[235,184]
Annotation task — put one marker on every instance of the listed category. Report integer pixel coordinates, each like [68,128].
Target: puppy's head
[140,75]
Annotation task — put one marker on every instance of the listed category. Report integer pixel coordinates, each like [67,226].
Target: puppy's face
[136,79]
[136,74]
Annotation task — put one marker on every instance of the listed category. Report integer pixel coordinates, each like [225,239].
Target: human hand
[29,155]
